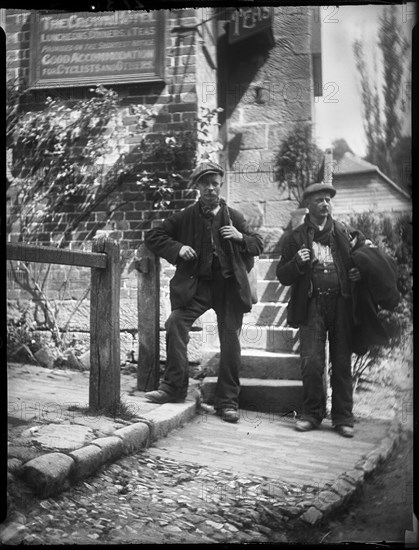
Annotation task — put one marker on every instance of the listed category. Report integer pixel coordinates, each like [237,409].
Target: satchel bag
[251,276]
[253,283]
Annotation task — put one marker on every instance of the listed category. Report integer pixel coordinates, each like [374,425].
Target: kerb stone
[48,474]
[311,516]
[86,461]
[133,437]
[111,447]
[342,487]
[169,416]
[327,501]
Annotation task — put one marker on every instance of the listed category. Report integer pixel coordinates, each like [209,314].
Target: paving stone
[214,524]
[14,465]
[12,534]
[62,437]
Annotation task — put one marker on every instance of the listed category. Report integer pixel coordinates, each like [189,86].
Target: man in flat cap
[213,248]
[316,263]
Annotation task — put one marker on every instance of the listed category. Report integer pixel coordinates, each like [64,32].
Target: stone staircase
[270,375]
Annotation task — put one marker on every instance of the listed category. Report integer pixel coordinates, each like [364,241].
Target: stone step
[268,338]
[266,269]
[262,396]
[258,364]
[266,314]
[273,291]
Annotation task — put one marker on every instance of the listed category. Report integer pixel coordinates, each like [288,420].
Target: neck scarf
[206,210]
[321,236]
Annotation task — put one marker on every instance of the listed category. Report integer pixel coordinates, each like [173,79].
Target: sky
[338,114]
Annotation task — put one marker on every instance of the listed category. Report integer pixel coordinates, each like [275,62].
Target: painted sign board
[83,48]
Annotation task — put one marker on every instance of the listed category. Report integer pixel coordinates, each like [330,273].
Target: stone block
[278,213]
[134,437]
[45,358]
[258,186]
[111,447]
[311,516]
[48,474]
[73,361]
[86,461]
[85,360]
[253,212]
[22,354]
[251,136]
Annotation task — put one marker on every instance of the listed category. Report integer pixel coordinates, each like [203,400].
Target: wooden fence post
[104,388]
[148,268]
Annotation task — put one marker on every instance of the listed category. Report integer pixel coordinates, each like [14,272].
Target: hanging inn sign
[248,22]
[83,49]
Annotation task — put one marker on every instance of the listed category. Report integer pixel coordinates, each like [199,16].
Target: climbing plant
[75,152]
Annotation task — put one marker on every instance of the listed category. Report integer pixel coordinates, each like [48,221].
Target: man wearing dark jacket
[213,248]
[316,263]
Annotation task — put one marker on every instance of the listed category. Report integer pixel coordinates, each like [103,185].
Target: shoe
[345,431]
[228,415]
[304,426]
[160,396]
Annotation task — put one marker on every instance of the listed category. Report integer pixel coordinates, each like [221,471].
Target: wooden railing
[104,261]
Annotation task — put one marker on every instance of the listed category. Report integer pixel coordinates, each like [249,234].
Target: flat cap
[207,167]
[317,188]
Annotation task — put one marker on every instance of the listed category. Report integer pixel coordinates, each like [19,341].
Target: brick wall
[175,102]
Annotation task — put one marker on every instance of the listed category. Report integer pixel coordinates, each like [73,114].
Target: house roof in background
[350,164]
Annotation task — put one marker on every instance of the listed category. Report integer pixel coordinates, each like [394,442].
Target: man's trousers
[220,294]
[327,315]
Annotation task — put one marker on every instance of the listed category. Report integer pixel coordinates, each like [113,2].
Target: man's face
[209,188]
[319,205]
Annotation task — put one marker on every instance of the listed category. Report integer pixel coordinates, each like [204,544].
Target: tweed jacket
[187,227]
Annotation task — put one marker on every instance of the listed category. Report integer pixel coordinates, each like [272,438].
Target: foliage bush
[298,161]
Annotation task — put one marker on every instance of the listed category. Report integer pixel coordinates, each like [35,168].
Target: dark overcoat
[289,272]
[188,227]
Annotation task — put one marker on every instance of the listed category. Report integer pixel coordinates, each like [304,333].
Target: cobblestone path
[145,498]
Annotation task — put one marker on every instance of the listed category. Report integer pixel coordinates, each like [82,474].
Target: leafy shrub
[21,331]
